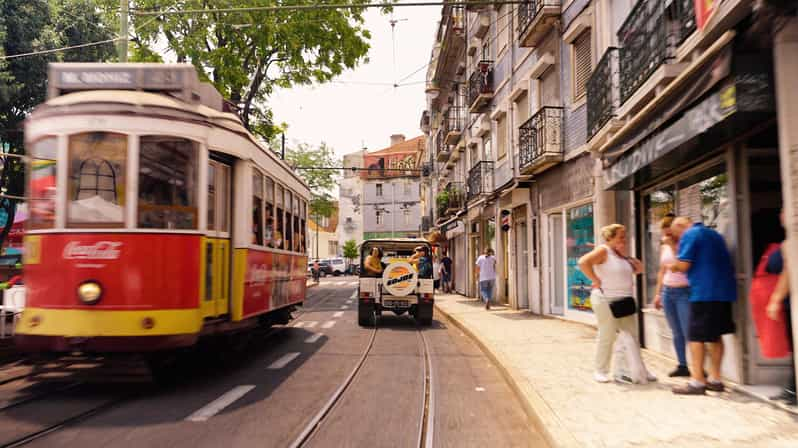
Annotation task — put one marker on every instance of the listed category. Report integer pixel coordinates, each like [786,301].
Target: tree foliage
[246,55]
[320,181]
[350,250]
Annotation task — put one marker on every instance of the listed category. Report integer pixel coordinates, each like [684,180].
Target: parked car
[338,265]
[324,268]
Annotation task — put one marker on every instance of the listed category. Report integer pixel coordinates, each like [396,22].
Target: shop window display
[580,240]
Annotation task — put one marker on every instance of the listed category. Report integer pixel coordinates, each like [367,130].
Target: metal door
[216,244]
[556,263]
[522,264]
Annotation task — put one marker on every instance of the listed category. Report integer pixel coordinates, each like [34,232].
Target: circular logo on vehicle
[399,278]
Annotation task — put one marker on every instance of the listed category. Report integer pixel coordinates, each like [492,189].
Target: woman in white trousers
[612,272]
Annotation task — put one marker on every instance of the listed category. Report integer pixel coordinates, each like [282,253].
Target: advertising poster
[580,240]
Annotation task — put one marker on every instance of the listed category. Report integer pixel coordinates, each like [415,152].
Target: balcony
[480,87]
[540,141]
[649,38]
[480,179]
[450,200]
[455,124]
[442,151]
[603,95]
[535,19]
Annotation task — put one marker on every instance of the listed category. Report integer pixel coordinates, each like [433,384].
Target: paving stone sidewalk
[550,363]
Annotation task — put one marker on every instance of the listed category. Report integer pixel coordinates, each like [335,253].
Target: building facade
[549,119]
[323,237]
[350,196]
[391,190]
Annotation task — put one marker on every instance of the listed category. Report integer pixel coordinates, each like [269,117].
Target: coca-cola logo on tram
[101,250]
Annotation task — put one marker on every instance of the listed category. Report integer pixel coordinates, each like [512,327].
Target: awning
[737,104]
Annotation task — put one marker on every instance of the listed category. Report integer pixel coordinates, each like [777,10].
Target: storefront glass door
[579,241]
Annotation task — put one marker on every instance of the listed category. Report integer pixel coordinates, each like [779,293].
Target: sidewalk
[549,363]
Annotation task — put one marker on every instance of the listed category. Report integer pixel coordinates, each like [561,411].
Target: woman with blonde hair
[673,294]
[612,272]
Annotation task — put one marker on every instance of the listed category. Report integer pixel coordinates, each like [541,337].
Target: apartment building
[350,197]
[549,119]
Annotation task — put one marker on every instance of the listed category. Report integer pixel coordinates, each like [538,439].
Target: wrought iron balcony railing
[480,86]
[480,179]
[451,199]
[455,123]
[648,39]
[540,142]
[534,19]
[603,95]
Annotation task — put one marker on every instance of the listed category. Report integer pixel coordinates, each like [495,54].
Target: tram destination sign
[66,77]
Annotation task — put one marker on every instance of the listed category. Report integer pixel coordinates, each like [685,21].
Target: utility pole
[124,9]
[282,151]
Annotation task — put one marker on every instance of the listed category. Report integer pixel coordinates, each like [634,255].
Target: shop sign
[696,121]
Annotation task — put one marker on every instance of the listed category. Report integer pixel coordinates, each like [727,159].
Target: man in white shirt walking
[486,269]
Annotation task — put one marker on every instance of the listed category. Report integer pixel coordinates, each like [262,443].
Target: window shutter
[581,63]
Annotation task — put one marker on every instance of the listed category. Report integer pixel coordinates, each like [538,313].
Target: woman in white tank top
[612,273]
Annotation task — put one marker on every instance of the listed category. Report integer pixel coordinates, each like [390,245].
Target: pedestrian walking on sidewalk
[436,272]
[612,272]
[673,294]
[446,273]
[486,270]
[703,255]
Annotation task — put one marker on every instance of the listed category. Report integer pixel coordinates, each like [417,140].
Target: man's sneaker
[601,377]
[679,372]
[690,389]
[715,386]
[625,379]
[651,377]
[487,305]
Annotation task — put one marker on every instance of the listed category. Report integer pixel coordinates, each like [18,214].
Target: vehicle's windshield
[377,256]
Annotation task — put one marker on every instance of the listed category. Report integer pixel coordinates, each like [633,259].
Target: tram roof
[138,99]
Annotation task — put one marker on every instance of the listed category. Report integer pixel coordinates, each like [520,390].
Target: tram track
[425,436]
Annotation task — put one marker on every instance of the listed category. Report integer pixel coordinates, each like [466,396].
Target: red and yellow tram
[155,217]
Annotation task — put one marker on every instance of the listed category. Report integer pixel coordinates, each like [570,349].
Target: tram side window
[303,229]
[289,234]
[168,183]
[269,212]
[278,234]
[96,186]
[41,187]
[257,210]
[211,196]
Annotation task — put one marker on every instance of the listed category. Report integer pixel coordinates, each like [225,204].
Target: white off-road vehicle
[403,284]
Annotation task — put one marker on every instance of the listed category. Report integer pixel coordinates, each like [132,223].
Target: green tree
[350,250]
[320,181]
[246,55]
[27,26]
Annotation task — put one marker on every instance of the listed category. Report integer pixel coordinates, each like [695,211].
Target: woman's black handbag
[623,307]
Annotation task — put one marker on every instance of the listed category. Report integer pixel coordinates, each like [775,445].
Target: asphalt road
[268,395]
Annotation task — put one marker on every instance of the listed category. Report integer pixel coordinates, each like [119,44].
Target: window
[379,189]
[581,64]
[41,187]
[289,221]
[97,164]
[277,241]
[501,137]
[502,28]
[257,208]
[167,183]
[268,212]
[486,149]
[408,187]
[332,248]
[407,217]
[380,217]
[218,196]
[211,196]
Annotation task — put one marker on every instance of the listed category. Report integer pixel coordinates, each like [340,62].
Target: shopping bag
[637,370]
[773,337]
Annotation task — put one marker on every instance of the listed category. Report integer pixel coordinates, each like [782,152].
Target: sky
[347,114]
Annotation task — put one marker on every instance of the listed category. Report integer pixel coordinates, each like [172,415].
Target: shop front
[569,227]
[715,159]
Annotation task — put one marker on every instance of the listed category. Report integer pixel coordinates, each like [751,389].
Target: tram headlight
[90,292]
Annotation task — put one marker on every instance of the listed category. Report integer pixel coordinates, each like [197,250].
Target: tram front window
[97,179]
[167,183]
[42,183]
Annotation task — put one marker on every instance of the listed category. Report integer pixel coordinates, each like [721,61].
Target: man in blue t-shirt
[703,255]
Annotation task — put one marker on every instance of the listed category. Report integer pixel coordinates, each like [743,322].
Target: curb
[543,418]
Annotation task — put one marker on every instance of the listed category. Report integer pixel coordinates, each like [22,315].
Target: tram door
[216,244]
